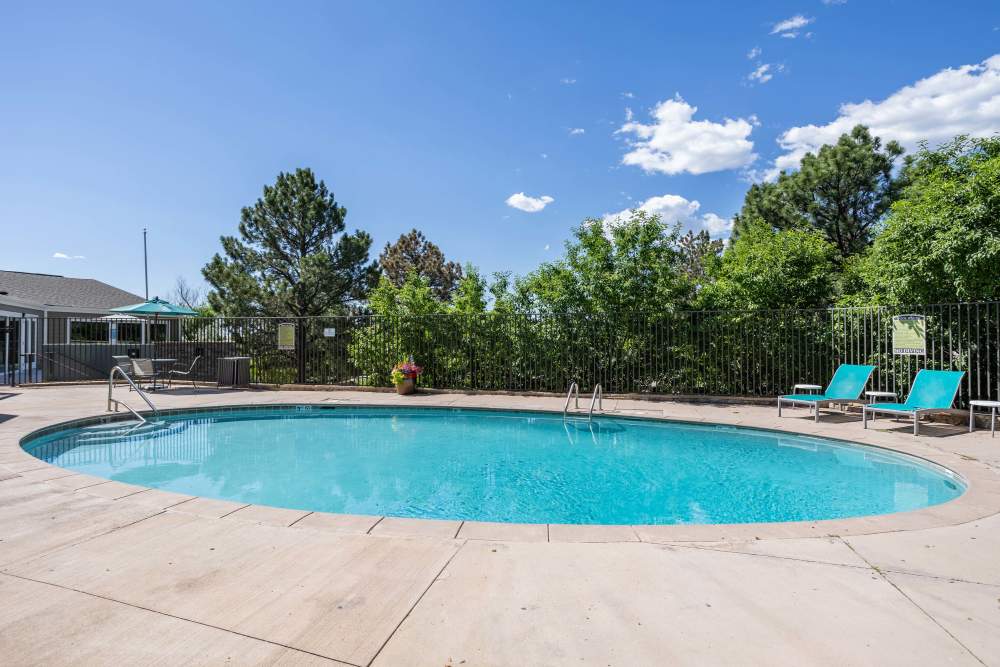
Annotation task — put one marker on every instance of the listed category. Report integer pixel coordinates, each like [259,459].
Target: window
[158,331]
[88,332]
[129,332]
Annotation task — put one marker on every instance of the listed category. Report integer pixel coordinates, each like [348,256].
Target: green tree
[765,268]
[412,252]
[697,253]
[844,190]
[941,241]
[413,298]
[293,257]
[469,296]
[627,266]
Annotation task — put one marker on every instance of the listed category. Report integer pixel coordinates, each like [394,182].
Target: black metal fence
[728,353]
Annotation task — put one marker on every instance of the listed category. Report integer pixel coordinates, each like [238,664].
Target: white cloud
[576,130]
[675,143]
[834,2]
[762,74]
[545,156]
[962,100]
[566,81]
[62,255]
[523,202]
[717,226]
[546,246]
[790,27]
[628,95]
[754,53]
[674,208]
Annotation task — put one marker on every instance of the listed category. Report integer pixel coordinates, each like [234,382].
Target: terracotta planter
[405,387]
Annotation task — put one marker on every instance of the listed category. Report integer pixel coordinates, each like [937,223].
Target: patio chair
[124,363]
[845,386]
[145,370]
[189,373]
[931,391]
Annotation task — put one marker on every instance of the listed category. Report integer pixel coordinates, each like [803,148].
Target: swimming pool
[492,465]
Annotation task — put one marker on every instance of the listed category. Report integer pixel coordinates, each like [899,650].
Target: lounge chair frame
[825,402]
[816,405]
[915,412]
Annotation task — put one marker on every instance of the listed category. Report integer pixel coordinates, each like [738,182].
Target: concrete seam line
[913,602]
[83,541]
[416,602]
[750,553]
[458,530]
[104,481]
[174,616]
[179,502]
[369,531]
[299,519]
[235,511]
[939,577]
[129,495]
[186,500]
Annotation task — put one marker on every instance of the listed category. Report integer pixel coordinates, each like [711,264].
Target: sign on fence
[329,332]
[286,336]
[909,334]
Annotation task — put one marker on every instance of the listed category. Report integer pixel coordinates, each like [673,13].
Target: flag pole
[145,262]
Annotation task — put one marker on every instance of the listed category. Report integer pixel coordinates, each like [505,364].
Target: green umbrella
[155,306]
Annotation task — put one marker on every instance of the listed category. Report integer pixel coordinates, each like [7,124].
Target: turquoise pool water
[500,466]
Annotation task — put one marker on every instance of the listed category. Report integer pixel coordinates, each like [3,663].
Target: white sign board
[909,334]
[329,332]
[286,336]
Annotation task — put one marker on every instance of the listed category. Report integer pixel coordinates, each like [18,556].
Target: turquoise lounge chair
[931,391]
[845,386]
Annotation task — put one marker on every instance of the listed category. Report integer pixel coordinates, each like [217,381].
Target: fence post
[8,375]
[22,336]
[300,350]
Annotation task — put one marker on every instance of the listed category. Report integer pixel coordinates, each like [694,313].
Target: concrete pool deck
[95,571]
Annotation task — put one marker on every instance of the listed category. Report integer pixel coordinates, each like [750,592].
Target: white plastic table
[993,406]
[872,395]
[807,387]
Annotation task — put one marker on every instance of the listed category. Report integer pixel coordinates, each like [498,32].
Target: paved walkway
[98,572]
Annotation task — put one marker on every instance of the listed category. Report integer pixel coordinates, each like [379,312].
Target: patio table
[889,396]
[992,405]
[158,365]
[873,396]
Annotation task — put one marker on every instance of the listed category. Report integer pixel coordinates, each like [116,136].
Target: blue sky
[434,115]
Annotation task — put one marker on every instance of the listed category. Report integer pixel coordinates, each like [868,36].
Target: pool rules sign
[909,334]
[286,336]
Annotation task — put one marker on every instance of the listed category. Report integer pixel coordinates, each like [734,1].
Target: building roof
[47,291]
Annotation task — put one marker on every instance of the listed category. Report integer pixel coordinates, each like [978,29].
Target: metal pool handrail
[116,402]
[597,398]
[573,388]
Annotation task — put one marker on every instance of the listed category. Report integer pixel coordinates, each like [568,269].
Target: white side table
[872,395]
[993,406]
[807,387]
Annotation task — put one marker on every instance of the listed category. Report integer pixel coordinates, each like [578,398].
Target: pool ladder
[115,402]
[596,400]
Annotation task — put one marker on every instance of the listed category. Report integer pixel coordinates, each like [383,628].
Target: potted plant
[404,375]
